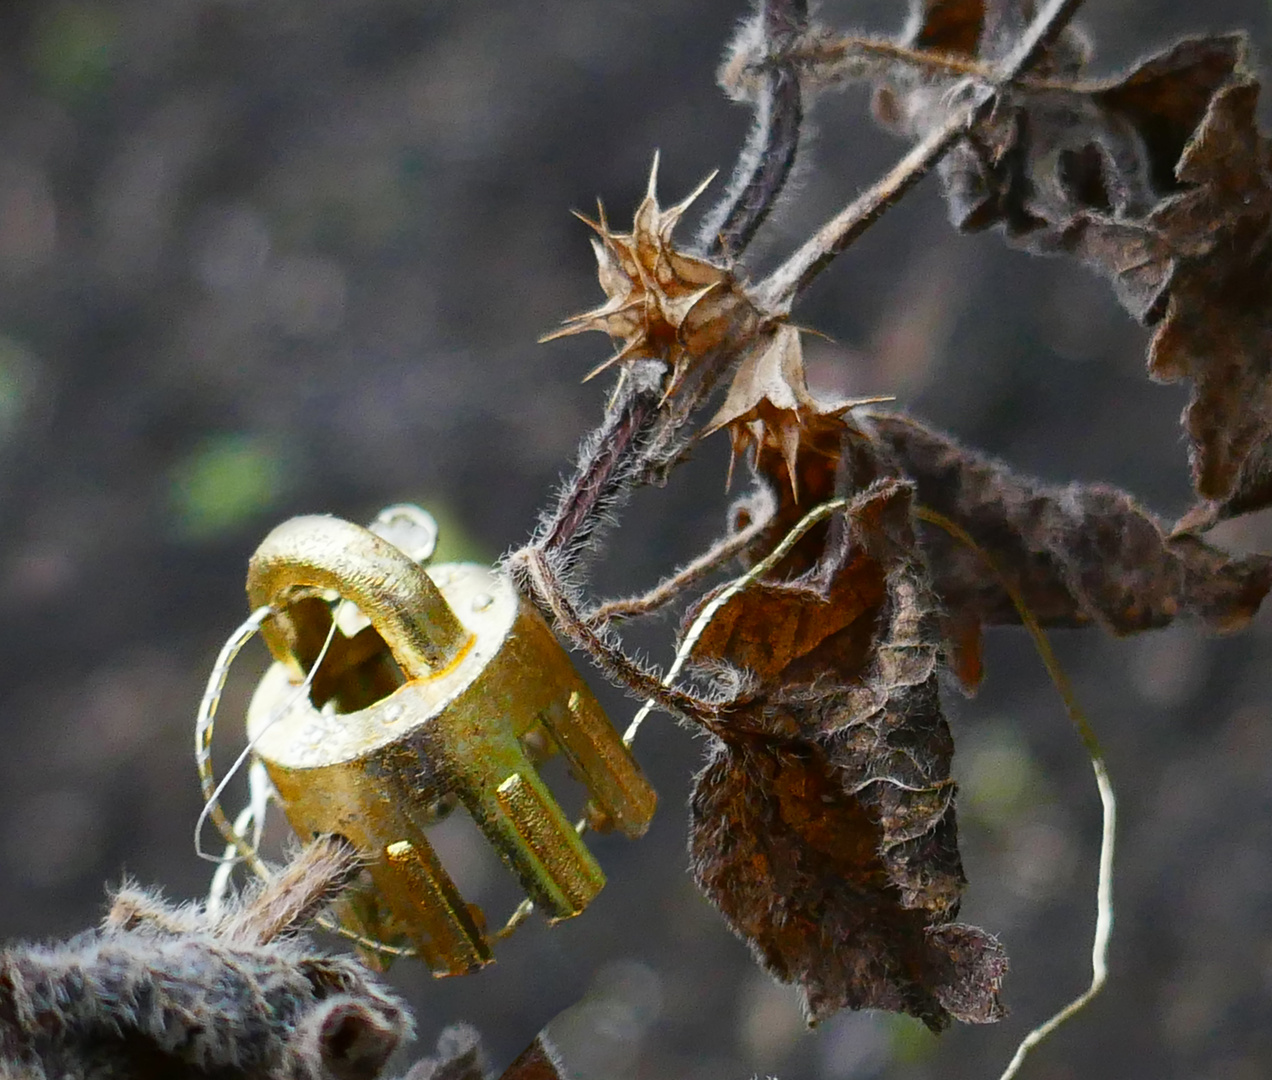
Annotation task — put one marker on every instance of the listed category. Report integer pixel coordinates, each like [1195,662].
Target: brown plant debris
[173,992]
[823,824]
[1216,328]
[1078,554]
[1160,180]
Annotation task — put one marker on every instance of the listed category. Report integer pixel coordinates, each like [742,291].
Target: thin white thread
[252,817]
[204,727]
[238,848]
[1108,802]
[1103,927]
[219,888]
[700,624]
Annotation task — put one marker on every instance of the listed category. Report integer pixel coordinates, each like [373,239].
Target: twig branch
[778,292]
[826,59]
[609,459]
[531,567]
[668,589]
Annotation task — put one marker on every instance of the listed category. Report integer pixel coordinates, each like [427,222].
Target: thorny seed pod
[663,304]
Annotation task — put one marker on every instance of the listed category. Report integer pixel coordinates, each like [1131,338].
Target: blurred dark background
[266,258]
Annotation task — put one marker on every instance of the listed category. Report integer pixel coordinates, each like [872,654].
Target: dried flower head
[663,304]
[769,405]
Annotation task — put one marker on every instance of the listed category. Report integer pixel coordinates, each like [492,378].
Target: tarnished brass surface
[441,686]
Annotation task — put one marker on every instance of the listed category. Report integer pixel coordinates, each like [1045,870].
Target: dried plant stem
[670,588]
[398,952]
[1108,801]
[769,154]
[840,50]
[828,53]
[639,680]
[778,292]
[780,289]
[700,624]
[290,899]
[1040,35]
[608,462]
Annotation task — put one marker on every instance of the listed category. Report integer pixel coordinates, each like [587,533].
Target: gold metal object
[439,684]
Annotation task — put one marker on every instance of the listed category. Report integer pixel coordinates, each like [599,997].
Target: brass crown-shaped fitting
[439,685]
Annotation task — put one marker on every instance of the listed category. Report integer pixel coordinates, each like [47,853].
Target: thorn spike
[598,226]
[674,213]
[651,192]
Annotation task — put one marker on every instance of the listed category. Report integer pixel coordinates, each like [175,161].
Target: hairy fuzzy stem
[609,461]
[173,991]
[828,60]
[768,156]
[285,904]
[670,588]
[532,569]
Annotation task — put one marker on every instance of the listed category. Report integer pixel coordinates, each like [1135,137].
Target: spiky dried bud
[663,304]
[769,405]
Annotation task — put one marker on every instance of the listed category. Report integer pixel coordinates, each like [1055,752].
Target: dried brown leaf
[1079,554]
[1161,181]
[823,826]
[1216,328]
[952,27]
[775,625]
[539,1061]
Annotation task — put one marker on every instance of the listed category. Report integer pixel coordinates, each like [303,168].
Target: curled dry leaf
[1160,180]
[823,825]
[1079,554]
[663,304]
[1217,329]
